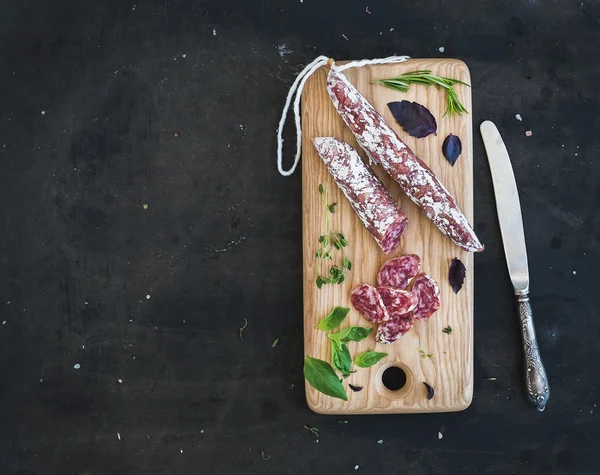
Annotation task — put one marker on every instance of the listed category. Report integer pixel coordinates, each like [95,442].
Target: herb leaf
[321,376]
[275,342]
[448,330]
[424,354]
[452,148]
[341,359]
[332,207]
[314,431]
[263,454]
[414,118]
[337,316]
[242,329]
[321,189]
[368,358]
[354,334]
[347,264]
[430,391]
[456,274]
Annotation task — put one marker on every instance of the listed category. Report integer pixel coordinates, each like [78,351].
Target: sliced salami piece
[368,302]
[373,204]
[398,272]
[398,302]
[415,178]
[428,294]
[394,328]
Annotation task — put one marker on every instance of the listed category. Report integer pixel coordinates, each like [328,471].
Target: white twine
[296,90]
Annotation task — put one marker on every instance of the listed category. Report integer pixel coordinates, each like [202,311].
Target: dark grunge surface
[92,96]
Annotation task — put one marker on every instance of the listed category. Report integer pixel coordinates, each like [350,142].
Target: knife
[513,238]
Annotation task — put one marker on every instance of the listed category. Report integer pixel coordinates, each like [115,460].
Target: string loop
[295,93]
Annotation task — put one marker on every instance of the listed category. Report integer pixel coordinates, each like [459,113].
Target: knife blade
[513,239]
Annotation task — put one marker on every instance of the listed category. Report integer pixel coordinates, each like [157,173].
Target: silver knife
[513,238]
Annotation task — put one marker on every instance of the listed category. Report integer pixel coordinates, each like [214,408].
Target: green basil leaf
[341,359]
[320,189]
[335,340]
[321,376]
[333,320]
[347,263]
[356,334]
[368,358]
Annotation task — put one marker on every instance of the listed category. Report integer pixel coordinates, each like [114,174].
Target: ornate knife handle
[536,381]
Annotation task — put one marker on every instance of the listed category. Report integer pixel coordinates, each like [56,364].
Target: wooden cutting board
[450,370]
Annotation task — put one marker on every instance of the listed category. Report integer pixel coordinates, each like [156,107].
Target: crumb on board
[519,118]
[528,133]
[367,10]
[440,435]
[76,366]
[118,436]
[344,36]
[380,441]
[441,49]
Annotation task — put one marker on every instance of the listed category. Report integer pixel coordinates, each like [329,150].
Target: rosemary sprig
[401,83]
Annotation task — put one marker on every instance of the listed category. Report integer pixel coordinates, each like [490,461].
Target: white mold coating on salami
[375,207]
[384,146]
[368,302]
[428,294]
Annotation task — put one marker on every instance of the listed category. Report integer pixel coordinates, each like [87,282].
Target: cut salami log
[375,207]
[397,302]
[398,272]
[428,294]
[415,178]
[368,302]
[394,328]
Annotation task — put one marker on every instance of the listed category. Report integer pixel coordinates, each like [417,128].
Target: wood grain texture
[450,370]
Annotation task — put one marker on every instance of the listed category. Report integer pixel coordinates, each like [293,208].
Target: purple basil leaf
[456,275]
[414,118]
[430,391]
[452,148]
[355,388]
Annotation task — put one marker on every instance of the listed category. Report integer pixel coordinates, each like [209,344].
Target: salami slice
[368,302]
[394,328]
[428,294]
[373,204]
[399,272]
[415,178]
[397,302]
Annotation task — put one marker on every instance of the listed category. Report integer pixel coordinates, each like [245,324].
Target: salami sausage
[394,328]
[398,272]
[397,302]
[384,146]
[368,302]
[428,294]
[373,204]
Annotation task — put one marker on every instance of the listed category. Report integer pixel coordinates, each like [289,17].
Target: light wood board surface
[450,370]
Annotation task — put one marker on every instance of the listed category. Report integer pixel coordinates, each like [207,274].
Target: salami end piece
[373,204]
[368,302]
[398,272]
[394,328]
[398,302]
[428,294]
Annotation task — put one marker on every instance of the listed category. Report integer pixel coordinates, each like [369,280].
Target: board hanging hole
[393,378]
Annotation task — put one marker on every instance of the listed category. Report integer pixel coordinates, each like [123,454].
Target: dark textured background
[220,239]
